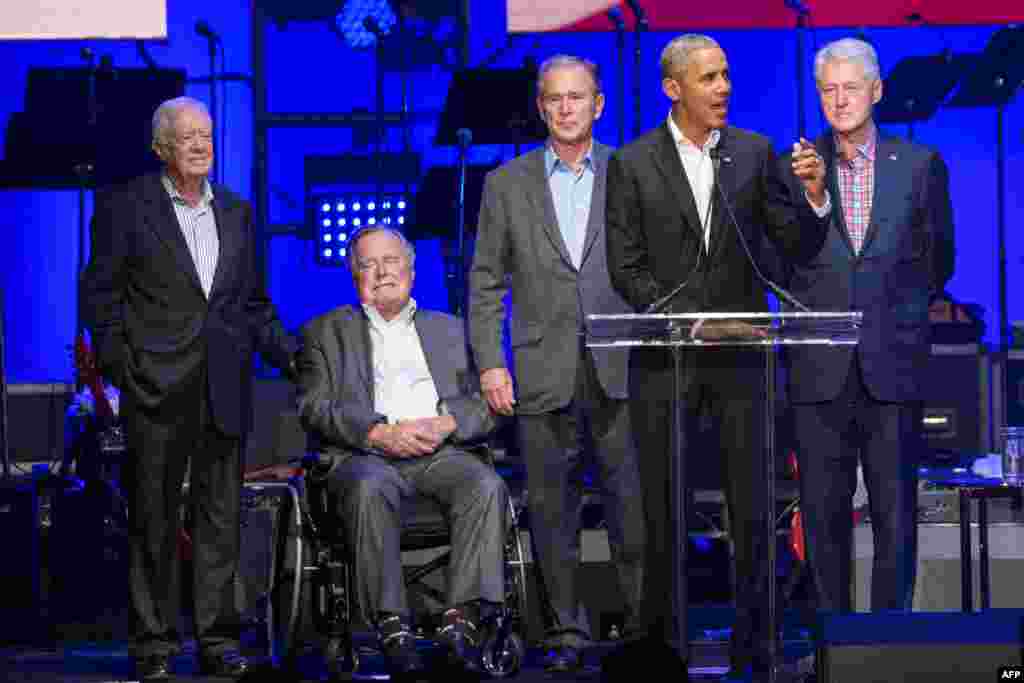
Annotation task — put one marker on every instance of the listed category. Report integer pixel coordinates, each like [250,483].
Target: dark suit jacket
[152,325]
[520,247]
[907,255]
[655,241]
[336,389]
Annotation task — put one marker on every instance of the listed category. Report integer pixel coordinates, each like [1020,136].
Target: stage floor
[106,662]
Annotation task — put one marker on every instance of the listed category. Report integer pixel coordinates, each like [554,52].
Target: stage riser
[938,567]
[918,648]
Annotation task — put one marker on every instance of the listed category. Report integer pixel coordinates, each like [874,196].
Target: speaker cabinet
[956,400]
[918,648]
[20,567]
[35,421]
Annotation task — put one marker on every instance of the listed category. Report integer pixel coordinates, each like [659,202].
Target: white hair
[676,54]
[848,50]
[167,112]
[410,251]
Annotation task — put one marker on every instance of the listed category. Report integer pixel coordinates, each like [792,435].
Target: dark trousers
[555,446]
[832,437]
[372,495]
[162,443]
[738,416]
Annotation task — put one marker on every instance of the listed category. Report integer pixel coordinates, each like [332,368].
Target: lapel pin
[892,157]
[726,160]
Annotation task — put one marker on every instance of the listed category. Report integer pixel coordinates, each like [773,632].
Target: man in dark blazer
[541,237]
[889,249]
[675,245]
[388,392]
[176,305]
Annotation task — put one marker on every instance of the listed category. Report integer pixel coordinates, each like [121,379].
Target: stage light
[353,20]
[333,241]
[341,206]
[327,207]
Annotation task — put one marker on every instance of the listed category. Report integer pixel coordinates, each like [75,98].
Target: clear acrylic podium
[678,332]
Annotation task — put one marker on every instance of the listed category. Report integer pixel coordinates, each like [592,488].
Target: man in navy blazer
[889,249]
[176,306]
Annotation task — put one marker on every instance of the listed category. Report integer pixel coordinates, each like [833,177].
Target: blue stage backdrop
[310,69]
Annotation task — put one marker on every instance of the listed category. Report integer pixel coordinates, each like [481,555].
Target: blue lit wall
[309,69]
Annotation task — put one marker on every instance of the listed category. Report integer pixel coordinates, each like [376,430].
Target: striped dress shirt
[200,230]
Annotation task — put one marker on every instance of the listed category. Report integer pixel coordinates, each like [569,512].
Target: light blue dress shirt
[571,194]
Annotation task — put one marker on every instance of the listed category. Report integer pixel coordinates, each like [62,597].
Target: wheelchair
[311,577]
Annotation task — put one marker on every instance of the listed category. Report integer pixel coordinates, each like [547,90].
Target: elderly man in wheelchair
[388,395]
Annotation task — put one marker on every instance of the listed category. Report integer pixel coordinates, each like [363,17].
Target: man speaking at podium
[679,244]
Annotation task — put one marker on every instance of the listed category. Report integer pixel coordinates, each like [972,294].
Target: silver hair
[167,112]
[562,61]
[410,251]
[676,54]
[848,50]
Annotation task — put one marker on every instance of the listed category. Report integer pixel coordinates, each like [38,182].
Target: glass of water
[1013,455]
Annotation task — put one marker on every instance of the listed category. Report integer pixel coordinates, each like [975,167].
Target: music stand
[993,83]
[916,87]
[495,107]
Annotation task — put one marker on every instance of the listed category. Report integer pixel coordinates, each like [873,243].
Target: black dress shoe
[228,664]
[152,668]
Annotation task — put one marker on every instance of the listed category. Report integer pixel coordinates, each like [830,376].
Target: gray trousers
[371,493]
[555,447]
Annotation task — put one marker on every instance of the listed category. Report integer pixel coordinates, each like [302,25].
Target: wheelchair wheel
[504,659]
[284,594]
[515,572]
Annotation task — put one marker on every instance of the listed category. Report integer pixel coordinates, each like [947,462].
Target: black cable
[716,156]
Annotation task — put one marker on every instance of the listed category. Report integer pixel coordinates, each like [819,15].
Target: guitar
[85,364]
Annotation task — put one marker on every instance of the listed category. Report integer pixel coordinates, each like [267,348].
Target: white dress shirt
[700,172]
[402,386]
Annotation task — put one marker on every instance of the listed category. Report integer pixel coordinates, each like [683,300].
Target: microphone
[717,160]
[204,29]
[615,16]
[464,136]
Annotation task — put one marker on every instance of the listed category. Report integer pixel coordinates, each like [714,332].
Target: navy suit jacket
[907,255]
[153,326]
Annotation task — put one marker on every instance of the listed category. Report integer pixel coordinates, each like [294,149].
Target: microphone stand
[459,276]
[371,25]
[639,27]
[802,14]
[615,16]
[211,46]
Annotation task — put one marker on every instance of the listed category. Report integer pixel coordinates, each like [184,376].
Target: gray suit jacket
[335,368]
[520,247]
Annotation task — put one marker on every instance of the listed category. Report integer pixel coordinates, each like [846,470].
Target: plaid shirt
[856,187]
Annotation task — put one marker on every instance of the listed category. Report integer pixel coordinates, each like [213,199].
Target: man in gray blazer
[388,392]
[541,236]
